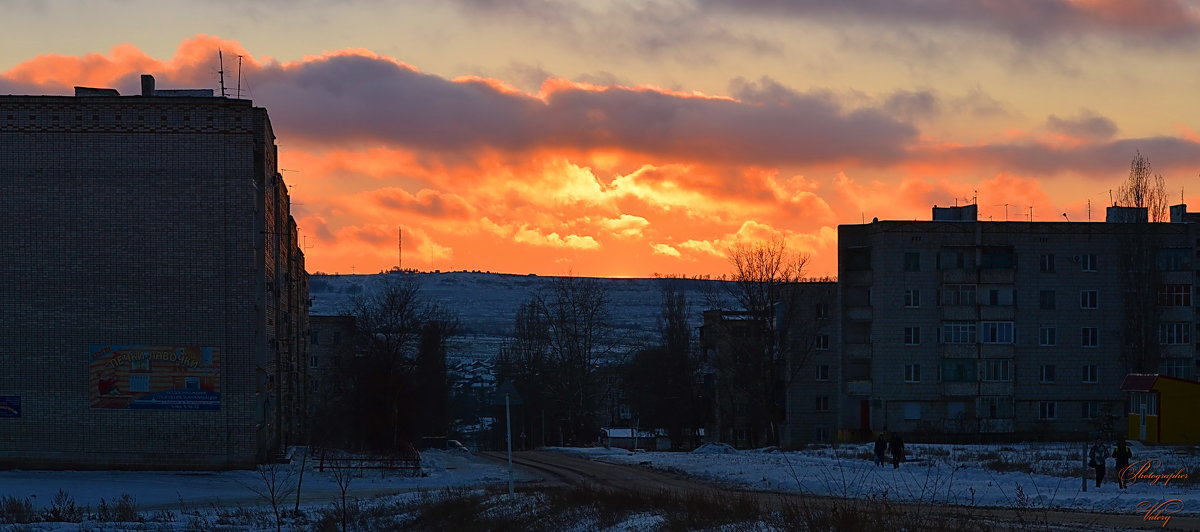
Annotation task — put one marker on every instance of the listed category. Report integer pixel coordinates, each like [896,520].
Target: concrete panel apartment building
[154,302]
[957,327]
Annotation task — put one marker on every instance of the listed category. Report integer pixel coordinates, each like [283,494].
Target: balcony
[857,350]
[997,276]
[997,350]
[960,388]
[858,387]
[960,350]
[960,276]
[996,388]
[987,425]
[857,278]
[997,312]
[960,313]
[858,313]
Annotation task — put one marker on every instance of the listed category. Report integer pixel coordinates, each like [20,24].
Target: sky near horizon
[621,138]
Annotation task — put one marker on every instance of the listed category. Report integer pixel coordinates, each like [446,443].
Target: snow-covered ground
[175,490]
[1034,475]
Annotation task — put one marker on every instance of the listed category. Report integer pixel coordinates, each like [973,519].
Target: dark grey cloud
[913,105]
[1101,160]
[1147,21]
[1087,125]
[350,99]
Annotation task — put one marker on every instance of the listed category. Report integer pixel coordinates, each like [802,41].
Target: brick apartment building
[957,327]
[153,312]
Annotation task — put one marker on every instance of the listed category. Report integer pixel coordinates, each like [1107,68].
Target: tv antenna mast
[221,71]
[399,248]
[239,85]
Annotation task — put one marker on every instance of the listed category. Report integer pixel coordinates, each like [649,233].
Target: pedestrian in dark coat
[1096,458]
[881,446]
[897,448]
[1122,454]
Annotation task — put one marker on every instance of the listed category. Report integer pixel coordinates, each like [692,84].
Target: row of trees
[394,389]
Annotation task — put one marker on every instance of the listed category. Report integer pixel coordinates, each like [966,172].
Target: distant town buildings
[153,312]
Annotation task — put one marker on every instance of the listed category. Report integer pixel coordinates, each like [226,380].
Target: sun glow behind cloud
[613,179]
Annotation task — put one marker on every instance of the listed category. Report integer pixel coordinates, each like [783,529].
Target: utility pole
[399,248]
[221,71]
[508,426]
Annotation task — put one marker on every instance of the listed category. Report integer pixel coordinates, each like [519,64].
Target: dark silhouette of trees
[660,381]
[760,348]
[394,390]
[1144,188]
[560,339]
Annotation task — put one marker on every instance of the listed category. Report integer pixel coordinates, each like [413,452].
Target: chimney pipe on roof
[147,85]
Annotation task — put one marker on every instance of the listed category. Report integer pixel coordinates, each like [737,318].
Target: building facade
[958,328]
[154,305]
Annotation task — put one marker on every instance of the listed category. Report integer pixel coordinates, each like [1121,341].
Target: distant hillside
[487,302]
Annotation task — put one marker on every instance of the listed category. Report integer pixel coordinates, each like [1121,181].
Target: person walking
[1096,458]
[896,445]
[1122,454]
[881,446]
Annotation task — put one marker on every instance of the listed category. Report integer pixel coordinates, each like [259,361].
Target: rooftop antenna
[1031,213]
[239,85]
[221,71]
[399,248]
[1089,209]
[1065,217]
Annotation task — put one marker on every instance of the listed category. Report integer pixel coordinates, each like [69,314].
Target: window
[997,332]
[1089,299]
[822,342]
[959,294]
[912,373]
[1048,336]
[822,403]
[912,261]
[315,337]
[1087,263]
[314,361]
[337,338]
[139,383]
[1047,373]
[994,407]
[822,372]
[822,310]
[1000,296]
[820,433]
[912,411]
[1091,373]
[1090,337]
[958,332]
[1173,260]
[1175,295]
[1046,300]
[997,370]
[1175,367]
[959,370]
[1047,410]
[912,298]
[998,258]
[1089,410]
[912,336]
[1046,262]
[1175,333]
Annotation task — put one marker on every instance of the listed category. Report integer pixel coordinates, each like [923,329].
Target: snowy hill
[487,302]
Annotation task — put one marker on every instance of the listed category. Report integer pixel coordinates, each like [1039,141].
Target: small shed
[624,438]
[1162,408]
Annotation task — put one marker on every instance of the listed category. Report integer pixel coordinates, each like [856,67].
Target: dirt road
[563,469]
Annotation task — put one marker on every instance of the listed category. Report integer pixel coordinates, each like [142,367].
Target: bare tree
[276,484]
[1144,188]
[760,349]
[343,474]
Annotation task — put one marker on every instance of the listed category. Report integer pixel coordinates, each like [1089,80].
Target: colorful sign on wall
[154,378]
[10,406]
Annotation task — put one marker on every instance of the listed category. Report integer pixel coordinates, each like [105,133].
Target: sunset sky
[622,138]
